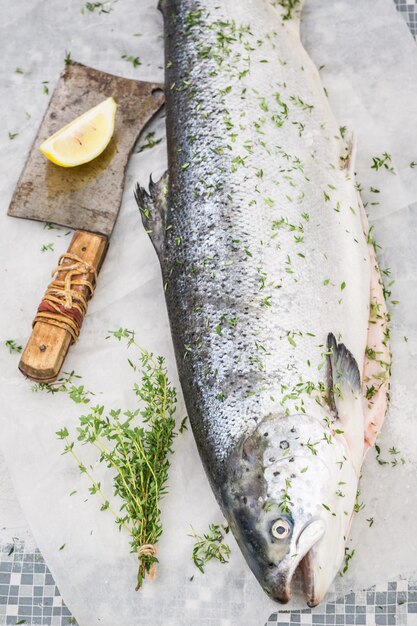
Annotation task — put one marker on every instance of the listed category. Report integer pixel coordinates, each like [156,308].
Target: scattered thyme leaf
[100,7]
[65,385]
[149,141]
[383,161]
[210,546]
[68,60]
[348,557]
[47,247]
[12,135]
[135,61]
[13,346]
[183,425]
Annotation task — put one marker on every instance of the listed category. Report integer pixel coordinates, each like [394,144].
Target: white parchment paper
[371,76]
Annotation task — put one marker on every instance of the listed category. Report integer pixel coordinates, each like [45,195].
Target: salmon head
[289,496]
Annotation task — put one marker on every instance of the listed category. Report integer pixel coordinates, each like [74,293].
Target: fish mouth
[302,563]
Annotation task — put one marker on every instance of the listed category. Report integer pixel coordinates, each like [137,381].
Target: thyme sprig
[210,546]
[136,447]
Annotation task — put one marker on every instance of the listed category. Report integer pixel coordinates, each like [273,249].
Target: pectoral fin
[345,394]
[153,206]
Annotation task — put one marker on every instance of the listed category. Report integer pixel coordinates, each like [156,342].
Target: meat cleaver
[86,198]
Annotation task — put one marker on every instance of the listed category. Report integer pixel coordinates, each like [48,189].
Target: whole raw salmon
[272,288]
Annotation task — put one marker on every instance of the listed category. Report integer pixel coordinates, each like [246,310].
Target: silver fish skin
[267,276]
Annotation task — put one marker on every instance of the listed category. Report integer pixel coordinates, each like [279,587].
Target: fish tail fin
[152,206]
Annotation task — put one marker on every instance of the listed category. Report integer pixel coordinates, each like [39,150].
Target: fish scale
[263,259]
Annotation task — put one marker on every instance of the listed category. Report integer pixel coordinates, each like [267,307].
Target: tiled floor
[28,594]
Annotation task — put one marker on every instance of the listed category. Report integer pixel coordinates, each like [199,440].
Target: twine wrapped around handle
[64,305]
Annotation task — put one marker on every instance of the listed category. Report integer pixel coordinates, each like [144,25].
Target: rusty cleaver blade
[86,198]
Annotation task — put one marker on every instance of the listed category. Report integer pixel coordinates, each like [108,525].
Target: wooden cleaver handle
[63,307]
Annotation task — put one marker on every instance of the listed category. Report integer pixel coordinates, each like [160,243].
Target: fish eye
[281,528]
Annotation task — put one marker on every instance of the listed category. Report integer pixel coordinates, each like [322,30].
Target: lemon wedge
[84,138]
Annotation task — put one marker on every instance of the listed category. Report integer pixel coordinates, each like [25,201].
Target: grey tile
[47,601]
[27,579]
[401,597]
[12,600]
[25,610]
[360,619]
[381,597]
[412,606]
[14,590]
[5,566]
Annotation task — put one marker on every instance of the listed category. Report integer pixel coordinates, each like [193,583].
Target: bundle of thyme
[135,446]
